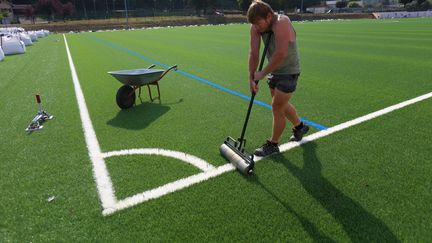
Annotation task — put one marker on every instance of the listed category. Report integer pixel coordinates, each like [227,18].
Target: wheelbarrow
[135,79]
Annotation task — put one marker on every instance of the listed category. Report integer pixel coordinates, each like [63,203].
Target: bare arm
[253,51]
[282,32]
[253,57]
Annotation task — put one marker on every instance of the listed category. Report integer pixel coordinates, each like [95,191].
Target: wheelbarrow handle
[151,66]
[173,67]
[165,72]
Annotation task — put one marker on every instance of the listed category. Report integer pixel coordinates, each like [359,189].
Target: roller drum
[235,159]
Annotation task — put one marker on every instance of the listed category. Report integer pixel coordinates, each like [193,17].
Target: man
[283,70]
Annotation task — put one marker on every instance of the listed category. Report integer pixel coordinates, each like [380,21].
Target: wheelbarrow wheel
[125,97]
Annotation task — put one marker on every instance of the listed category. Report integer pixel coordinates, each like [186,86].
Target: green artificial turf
[370,182]
[145,172]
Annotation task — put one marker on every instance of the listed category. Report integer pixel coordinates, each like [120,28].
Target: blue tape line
[316,125]
[223,88]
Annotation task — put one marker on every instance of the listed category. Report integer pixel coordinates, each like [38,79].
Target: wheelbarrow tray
[137,77]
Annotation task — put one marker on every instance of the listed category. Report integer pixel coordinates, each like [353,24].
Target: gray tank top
[291,64]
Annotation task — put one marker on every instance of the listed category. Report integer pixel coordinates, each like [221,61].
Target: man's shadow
[141,115]
[359,224]
[308,226]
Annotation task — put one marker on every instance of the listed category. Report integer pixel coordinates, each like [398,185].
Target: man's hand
[253,87]
[259,75]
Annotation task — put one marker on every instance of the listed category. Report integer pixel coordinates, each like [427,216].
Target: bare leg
[291,114]
[282,109]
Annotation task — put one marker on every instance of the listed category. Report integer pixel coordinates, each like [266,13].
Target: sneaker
[298,133]
[267,149]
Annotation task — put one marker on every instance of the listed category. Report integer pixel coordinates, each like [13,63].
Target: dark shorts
[286,83]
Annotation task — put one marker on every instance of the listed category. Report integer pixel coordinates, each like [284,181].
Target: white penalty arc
[167,189]
[190,159]
[208,171]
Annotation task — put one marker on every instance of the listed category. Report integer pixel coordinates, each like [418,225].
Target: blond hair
[258,10]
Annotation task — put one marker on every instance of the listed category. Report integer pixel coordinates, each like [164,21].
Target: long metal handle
[241,140]
[165,72]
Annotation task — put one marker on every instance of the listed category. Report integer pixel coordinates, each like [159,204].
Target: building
[317,9]
[6,7]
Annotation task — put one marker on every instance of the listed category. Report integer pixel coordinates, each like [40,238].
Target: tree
[3,15]
[68,9]
[405,2]
[50,8]
[278,4]
[201,5]
[281,4]
[341,4]
[244,4]
[426,5]
[353,5]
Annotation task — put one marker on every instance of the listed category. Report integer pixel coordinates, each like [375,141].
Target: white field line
[168,188]
[111,205]
[100,172]
[356,121]
[193,160]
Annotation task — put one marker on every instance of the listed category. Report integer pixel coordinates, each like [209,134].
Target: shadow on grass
[308,226]
[139,116]
[359,225]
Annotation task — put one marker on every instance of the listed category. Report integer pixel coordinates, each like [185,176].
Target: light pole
[106,8]
[301,8]
[85,9]
[127,17]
